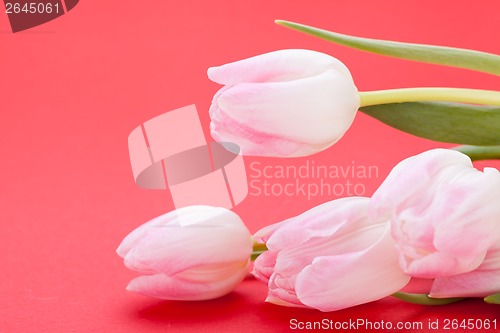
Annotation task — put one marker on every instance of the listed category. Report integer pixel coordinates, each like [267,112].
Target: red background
[71,91]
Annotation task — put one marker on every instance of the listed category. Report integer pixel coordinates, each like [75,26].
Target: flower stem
[258,249]
[459,95]
[423,299]
[493,299]
[477,153]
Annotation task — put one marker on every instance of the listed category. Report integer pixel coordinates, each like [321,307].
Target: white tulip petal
[315,110]
[325,220]
[336,282]
[413,175]
[473,284]
[134,237]
[252,141]
[172,250]
[189,237]
[181,289]
[282,65]
[263,267]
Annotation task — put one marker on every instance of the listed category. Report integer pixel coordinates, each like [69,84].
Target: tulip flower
[284,103]
[444,214]
[329,258]
[481,282]
[193,253]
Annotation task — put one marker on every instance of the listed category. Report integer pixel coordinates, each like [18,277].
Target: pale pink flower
[481,282]
[329,258]
[445,218]
[193,253]
[283,103]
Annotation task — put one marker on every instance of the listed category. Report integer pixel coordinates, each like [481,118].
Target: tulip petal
[336,282]
[464,227]
[280,301]
[291,261]
[263,267]
[183,216]
[197,236]
[134,237]
[411,176]
[492,260]
[277,108]
[282,296]
[252,141]
[438,264]
[277,66]
[473,284]
[172,250]
[176,288]
[263,235]
[483,281]
[348,214]
[469,222]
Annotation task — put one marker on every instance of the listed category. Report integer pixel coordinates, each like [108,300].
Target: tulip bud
[444,213]
[329,258]
[193,253]
[285,103]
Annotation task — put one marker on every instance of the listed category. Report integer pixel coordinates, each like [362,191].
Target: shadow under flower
[169,311]
[244,310]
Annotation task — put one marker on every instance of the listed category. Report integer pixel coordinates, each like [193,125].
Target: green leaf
[477,153]
[444,122]
[493,299]
[423,299]
[441,55]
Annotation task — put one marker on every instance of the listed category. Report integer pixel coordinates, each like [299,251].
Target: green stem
[258,249]
[493,299]
[459,95]
[423,299]
[477,153]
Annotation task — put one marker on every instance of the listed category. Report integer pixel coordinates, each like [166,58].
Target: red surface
[73,89]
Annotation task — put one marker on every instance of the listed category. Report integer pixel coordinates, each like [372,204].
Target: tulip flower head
[285,103]
[329,258]
[193,253]
[444,213]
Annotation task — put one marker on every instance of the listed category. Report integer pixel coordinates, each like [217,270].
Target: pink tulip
[283,103]
[193,253]
[481,282]
[445,217]
[329,258]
